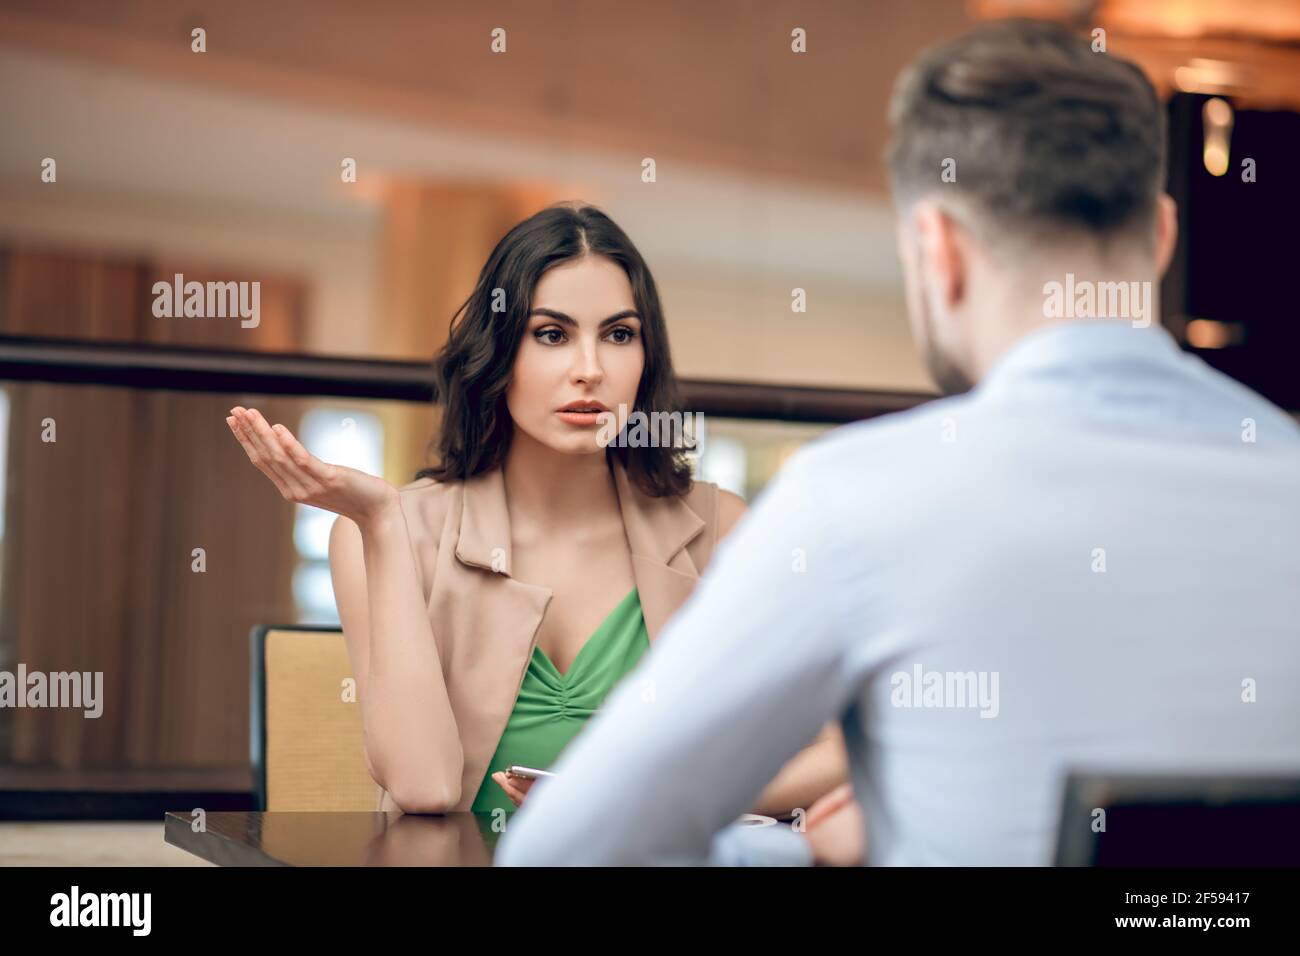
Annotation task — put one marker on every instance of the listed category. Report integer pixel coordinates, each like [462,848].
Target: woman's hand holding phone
[516,788]
[303,478]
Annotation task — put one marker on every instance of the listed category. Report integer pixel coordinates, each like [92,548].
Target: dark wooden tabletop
[335,839]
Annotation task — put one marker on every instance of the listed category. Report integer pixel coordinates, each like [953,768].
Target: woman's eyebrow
[568,320]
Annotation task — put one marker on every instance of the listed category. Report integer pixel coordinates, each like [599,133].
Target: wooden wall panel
[100,526]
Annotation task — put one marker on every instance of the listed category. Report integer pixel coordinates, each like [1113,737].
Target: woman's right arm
[411,740]
[412,744]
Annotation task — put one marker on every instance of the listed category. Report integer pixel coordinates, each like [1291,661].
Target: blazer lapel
[658,530]
[486,621]
[494,619]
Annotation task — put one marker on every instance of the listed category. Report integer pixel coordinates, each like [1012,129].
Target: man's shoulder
[1241,404]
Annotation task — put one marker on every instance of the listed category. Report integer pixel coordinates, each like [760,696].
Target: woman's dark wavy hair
[472,370]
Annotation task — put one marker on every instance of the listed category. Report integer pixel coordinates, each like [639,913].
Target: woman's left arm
[821,766]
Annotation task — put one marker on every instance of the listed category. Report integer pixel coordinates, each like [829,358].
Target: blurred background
[228,164]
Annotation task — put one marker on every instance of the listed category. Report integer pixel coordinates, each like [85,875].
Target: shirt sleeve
[778,845]
[741,679]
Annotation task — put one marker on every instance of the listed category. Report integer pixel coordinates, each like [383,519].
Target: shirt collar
[1081,343]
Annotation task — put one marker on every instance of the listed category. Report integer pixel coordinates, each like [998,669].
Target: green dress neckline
[602,628]
[551,708]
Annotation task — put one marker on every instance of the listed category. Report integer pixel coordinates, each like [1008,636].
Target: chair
[1180,821]
[307,746]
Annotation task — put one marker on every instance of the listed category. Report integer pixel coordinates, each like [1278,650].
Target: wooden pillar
[436,238]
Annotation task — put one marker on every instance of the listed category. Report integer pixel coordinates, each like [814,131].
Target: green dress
[552,707]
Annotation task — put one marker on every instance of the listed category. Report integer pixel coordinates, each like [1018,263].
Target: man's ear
[1166,231]
[941,252]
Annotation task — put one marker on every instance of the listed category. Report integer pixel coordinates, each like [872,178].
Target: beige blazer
[485,622]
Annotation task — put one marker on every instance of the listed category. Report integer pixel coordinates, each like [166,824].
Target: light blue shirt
[1090,561]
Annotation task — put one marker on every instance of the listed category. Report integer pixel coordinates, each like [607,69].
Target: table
[326,838]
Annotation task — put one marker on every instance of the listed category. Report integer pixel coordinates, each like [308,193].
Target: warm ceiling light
[1215,158]
[1218,111]
[1209,76]
[1209,334]
[1216,120]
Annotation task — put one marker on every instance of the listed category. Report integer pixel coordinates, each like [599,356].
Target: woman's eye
[622,335]
[550,336]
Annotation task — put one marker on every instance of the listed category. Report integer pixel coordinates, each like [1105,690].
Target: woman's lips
[579,418]
[582,413]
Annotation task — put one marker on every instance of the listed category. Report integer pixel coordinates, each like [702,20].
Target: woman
[490,605]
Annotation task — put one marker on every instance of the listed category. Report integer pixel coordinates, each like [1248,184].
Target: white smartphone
[527,773]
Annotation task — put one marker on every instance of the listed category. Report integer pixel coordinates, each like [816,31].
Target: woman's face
[582,349]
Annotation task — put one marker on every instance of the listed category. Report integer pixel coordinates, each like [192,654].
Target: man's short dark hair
[1041,133]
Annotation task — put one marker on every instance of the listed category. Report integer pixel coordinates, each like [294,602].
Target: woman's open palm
[304,478]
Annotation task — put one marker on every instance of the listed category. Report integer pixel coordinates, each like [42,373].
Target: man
[1089,560]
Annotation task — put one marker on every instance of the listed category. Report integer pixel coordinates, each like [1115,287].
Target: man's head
[1018,150]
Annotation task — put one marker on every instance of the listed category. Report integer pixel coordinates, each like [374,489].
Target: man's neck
[1059,294]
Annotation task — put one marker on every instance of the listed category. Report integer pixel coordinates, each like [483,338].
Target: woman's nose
[586,365]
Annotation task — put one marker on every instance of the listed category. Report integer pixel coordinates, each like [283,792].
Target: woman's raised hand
[304,478]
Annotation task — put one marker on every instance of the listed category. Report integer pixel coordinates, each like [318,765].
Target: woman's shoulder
[720,509]
[426,484]
[425,502]
[701,497]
